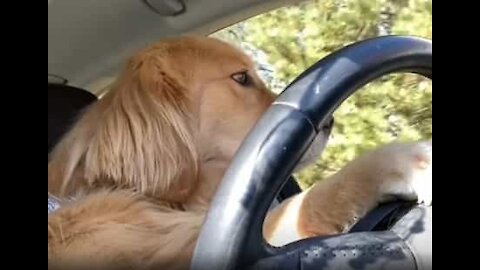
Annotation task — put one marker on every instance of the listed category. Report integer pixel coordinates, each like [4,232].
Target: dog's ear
[138,136]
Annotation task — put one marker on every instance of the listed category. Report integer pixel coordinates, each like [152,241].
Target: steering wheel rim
[231,236]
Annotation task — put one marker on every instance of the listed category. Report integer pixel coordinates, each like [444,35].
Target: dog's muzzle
[318,145]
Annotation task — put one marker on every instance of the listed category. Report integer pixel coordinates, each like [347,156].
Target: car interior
[89,40]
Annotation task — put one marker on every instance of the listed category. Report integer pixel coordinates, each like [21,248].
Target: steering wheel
[231,237]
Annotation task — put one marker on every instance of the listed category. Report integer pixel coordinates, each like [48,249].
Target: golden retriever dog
[136,173]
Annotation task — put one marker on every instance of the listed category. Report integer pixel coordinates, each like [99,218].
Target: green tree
[397,107]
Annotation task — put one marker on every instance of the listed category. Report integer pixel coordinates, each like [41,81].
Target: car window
[287,41]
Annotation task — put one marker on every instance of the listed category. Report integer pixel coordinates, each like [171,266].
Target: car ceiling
[88,40]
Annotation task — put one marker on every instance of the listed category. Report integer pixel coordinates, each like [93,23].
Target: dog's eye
[241,78]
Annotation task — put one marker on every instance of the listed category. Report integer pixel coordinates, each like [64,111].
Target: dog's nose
[328,124]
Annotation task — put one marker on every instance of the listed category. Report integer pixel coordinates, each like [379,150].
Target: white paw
[409,174]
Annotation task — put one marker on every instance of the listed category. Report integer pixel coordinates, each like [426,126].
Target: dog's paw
[405,171]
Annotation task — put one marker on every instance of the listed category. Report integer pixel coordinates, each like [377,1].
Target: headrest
[64,105]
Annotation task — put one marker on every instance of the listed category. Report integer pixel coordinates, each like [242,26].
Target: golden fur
[143,163]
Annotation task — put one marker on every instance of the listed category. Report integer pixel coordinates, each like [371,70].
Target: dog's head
[177,105]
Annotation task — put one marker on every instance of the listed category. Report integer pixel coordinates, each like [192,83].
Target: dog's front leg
[332,206]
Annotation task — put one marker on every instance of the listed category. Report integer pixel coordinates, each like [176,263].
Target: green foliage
[396,107]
